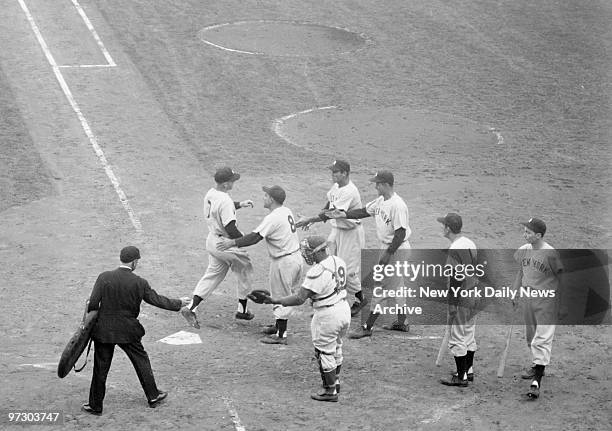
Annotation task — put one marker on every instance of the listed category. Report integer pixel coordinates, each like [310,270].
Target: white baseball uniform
[347,236]
[462,251]
[541,270]
[219,210]
[390,215]
[279,231]
[332,314]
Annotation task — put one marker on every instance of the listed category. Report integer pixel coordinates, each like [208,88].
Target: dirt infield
[496,111]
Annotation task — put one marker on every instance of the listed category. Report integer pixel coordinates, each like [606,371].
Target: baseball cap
[536,225]
[225,174]
[383,177]
[129,253]
[276,192]
[453,221]
[340,165]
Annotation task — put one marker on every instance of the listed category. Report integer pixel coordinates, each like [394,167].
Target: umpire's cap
[225,174]
[129,254]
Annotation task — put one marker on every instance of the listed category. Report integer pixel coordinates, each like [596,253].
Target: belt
[331,305]
[285,255]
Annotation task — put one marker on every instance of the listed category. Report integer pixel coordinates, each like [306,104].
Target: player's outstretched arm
[297,299]
[351,214]
[244,241]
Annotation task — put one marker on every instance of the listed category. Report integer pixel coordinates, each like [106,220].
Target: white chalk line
[266,21]
[84,123]
[94,33]
[66,66]
[278,124]
[229,404]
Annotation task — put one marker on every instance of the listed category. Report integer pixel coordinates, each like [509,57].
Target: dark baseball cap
[315,241]
[340,166]
[225,174]
[383,177]
[276,192]
[535,225]
[453,221]
[129,253]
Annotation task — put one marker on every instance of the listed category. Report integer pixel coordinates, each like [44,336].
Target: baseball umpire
[279,230]
[117,295]
[324,285]
[347,236]
[220,214]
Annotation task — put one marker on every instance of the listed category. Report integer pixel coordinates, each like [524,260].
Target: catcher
[325,286]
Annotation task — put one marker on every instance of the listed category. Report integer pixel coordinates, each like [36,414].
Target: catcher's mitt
[258,295]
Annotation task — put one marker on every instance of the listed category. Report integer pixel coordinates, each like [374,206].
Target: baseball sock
[338,369]
[243,302]
[470,361]
[371,319]
[359,295]
[539,373]
[281,325]
[460,362]
[195,301]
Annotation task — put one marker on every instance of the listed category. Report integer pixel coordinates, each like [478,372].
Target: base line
[84,124]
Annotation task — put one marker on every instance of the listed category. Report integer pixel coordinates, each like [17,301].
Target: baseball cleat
[269,330]
[396,326]
[470,376]
[244,316]
[325,396]
[534,392]
[455,381]
[190,317]
[274,339]
[357,306]
[360,333]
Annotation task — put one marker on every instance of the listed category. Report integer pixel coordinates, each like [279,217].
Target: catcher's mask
[310,246]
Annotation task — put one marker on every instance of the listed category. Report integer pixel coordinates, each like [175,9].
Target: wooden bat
[502,360]
[443,345]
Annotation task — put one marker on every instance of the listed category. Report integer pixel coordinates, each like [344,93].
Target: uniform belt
[284,255]
[331,305]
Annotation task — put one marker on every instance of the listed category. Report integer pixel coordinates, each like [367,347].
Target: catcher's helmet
[310,246]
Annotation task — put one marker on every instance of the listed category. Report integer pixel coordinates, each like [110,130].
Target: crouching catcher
[325,286]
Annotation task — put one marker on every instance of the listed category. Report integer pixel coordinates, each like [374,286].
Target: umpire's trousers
[103,357]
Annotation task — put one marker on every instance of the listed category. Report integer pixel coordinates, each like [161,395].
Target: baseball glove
[259,295]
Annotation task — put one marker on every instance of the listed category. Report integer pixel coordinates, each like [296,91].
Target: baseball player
[347,236]
[461,316]
[325,286]
[279,230]
[391,216]
[540,269]
[220,214]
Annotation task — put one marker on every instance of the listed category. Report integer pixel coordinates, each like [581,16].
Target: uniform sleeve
[519,254]
[152,297]
[313,278]
[371,207]
[399,218]
[265,227]
[227,212]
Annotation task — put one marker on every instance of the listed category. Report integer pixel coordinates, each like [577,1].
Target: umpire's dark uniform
[117,295]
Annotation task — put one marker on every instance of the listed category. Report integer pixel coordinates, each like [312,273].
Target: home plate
[182,337]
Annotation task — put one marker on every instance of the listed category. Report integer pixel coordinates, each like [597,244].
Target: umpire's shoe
[158,399]
[190,317]
[325,396]
[89,409]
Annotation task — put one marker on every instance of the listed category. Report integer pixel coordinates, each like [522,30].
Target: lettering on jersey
[383,215]
[535,265]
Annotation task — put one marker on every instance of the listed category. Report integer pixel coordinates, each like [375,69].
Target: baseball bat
[443,346]
[502,360]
